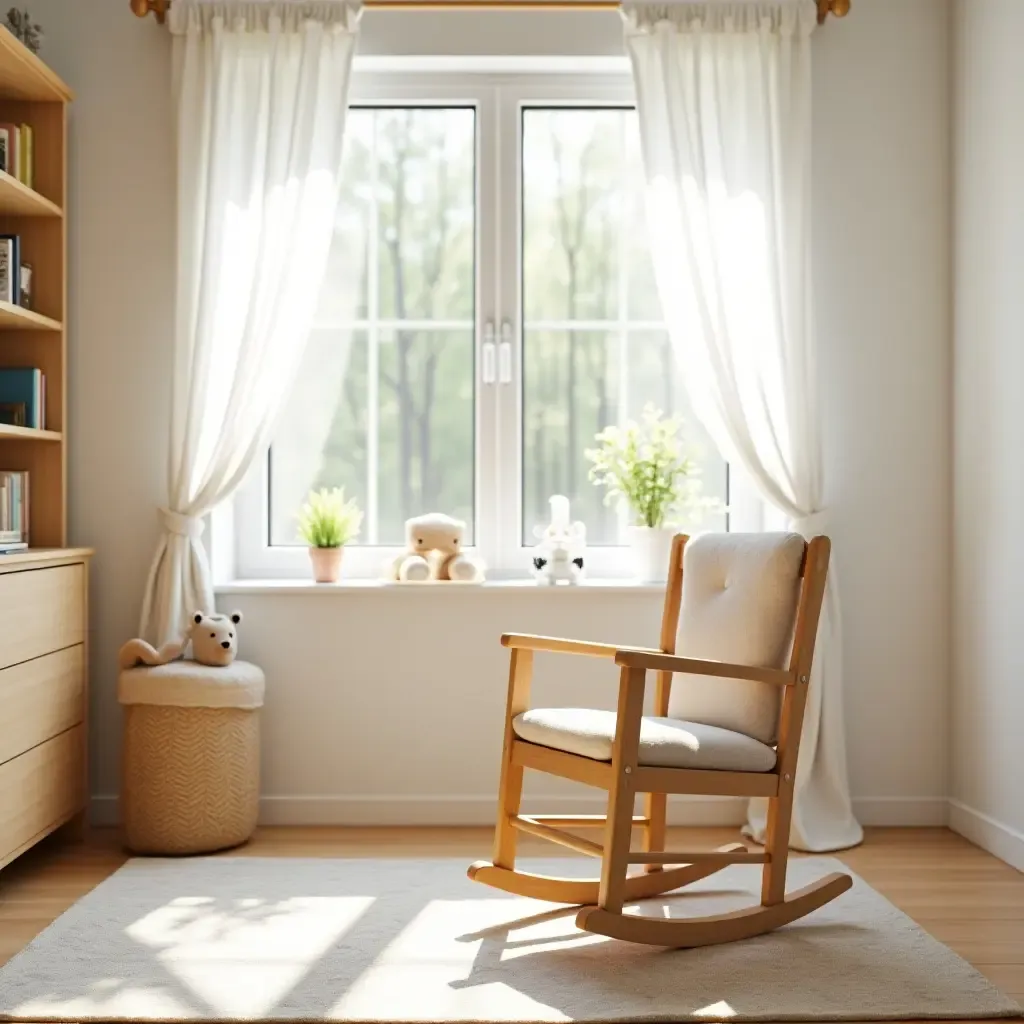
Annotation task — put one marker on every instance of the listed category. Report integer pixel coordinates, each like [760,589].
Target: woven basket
[191,778]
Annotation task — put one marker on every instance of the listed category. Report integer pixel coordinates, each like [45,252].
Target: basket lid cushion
[187,684]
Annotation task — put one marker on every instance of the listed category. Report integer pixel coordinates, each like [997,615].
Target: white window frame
[498,97]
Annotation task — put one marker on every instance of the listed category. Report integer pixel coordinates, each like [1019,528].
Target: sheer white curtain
[261,90]
[724,102]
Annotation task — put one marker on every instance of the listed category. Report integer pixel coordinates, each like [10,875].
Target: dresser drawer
[41,788]
[40,698]
[41,610]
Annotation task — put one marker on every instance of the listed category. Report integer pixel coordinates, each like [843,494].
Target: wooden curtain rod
[140,8]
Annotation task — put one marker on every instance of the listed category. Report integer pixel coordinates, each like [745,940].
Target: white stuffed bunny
[559,554]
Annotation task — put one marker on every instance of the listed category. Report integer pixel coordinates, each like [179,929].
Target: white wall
[988,687]
[379,701]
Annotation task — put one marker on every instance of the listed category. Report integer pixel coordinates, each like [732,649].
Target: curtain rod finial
[140,8]
[840,8]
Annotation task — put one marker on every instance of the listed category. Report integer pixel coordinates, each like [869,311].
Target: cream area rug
[276,939]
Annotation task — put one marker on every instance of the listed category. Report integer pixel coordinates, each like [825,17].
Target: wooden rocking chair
[742,606]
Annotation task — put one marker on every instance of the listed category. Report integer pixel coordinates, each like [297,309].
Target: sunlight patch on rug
[285,939]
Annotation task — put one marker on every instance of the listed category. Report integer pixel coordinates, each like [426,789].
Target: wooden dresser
[44,694]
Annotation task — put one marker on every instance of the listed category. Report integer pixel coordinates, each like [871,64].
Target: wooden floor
[967,899]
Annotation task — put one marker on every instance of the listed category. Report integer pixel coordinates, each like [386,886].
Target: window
[489,306]
[384,404]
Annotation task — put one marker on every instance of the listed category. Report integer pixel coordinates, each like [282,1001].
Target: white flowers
[650,467]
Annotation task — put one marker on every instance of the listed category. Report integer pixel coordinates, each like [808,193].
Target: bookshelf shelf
[17,199]
[17,318]
[29,433]
[24,76]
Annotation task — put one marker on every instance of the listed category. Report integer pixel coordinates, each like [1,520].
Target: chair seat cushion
[664,742]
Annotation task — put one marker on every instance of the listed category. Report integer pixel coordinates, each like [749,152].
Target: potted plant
[649,467]
[327,522]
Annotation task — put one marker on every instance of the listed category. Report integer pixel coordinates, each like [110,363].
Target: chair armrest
[659,662]
[558,645]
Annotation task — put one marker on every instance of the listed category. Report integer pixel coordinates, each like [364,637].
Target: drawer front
[42,787]
[41,610]
[39,699]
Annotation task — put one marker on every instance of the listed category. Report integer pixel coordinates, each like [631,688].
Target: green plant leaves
[648,465]
[327,520]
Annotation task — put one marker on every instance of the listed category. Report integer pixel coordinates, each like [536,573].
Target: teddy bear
[434,552]
[214,640]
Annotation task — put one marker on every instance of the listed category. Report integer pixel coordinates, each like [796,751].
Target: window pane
[425,459]
[384,401]
[578,382]
[425,189]
[573,169]
[654,375]
[593,350]
[321,440]
[570,391]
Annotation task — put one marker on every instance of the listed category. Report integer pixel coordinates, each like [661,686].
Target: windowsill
[362,586]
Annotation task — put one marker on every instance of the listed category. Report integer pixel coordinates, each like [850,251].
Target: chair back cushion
[740,593]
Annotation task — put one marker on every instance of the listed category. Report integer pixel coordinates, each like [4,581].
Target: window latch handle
[505,353]
[487,354]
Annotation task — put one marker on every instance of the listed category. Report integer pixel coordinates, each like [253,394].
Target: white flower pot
[650,551]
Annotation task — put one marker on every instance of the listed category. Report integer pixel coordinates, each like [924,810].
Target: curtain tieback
[810,525]
[181,525]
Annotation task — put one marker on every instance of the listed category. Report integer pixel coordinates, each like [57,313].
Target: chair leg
[655,805]
[510,785]
[617,835]
[510,795]
[618,831]
[776,845]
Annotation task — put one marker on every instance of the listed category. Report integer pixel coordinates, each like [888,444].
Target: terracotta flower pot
[326,564]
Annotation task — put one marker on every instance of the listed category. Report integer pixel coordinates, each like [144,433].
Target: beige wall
[988,681]
[364,687]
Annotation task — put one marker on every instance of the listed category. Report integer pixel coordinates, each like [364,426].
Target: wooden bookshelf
[31,93]
[44,591]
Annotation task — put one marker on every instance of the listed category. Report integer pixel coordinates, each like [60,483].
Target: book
[14,510]
[27,151]
[13,413]
[25,285]
[22,384]
[10,268]
[12,134]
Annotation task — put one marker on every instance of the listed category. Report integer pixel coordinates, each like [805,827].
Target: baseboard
[465,810]
[439,810]
[983,830]
[901,811]
[104,810]
[475,810]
